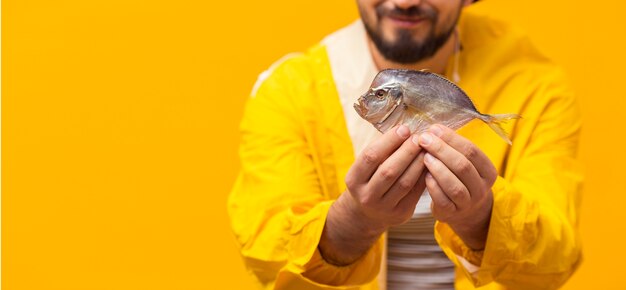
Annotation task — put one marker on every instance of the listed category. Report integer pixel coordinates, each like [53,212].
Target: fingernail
[415,139]
[428,158]
[426,139]
[436,130]
[403,131]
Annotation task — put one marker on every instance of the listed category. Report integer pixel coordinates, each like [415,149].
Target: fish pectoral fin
[417,120]
[422,115]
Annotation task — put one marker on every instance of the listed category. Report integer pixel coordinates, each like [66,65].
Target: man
[320,187]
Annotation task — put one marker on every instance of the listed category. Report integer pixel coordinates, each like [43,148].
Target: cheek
[367,9]
[375,106]
[448,12]
[385,105]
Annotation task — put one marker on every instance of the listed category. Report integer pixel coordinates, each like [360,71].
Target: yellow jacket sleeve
[532,241]
[279,204]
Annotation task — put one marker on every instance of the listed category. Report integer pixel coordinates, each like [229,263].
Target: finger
[375,153]
[481,162]
[454,161]
[391,169]
[409,200]
[406,182]
[452,187]
[441,203]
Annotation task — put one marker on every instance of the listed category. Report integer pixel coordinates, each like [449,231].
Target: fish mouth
[360,108]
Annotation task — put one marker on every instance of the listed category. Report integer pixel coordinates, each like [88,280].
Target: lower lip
[405,23]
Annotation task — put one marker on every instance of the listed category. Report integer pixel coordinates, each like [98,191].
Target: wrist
[473,231]
[357,217]
[347,233]
[474,238]
[473,234]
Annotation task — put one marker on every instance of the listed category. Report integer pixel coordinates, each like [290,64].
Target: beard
[405,49]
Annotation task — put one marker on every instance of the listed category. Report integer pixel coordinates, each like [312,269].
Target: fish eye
[380,93]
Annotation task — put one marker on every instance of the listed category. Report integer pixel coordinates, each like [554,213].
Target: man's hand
[382,182]
[384,185]
[459,182]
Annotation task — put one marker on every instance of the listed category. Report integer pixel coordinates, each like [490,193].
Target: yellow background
[119,130]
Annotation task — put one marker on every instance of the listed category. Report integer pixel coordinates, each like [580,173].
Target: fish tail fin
[495,123]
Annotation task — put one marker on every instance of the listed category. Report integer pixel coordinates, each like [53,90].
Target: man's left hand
[459,182]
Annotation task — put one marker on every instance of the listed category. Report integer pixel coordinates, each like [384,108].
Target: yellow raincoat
[295,152]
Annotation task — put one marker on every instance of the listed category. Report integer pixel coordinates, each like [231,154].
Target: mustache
[417,11]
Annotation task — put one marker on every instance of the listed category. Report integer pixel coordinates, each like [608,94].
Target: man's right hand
[383,187]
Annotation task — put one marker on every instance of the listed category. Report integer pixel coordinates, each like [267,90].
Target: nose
[405,4]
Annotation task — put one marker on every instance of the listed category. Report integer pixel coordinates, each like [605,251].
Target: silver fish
[419,99]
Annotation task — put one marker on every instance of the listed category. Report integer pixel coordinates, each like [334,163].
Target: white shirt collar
[353,71]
